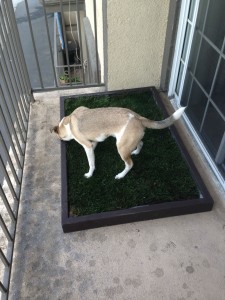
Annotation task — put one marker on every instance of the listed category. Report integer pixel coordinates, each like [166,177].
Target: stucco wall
[135,42]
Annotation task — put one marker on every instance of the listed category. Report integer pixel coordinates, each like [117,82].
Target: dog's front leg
[91,160]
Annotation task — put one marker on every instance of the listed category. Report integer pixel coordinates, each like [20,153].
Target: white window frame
[179,47]
[175,98]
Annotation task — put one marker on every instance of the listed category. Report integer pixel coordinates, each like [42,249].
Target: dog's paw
[87,175]
[119,176]
[135,152]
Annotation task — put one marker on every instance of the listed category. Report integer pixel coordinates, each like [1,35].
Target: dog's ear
[55,129]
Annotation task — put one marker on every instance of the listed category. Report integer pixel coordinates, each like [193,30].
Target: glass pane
[196,106]
[213,129]
[207,62]
[201,14]
[215,25]
[194,51]
[186,41]
[218,95]
[186,89]
[179,78]
[191,11]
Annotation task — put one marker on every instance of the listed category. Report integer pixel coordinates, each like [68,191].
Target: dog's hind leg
[128,165]
[91,160]
[94,144]
[125,153]
[129,143]
[138,149]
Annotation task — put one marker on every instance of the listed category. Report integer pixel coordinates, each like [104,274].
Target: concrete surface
[173,258]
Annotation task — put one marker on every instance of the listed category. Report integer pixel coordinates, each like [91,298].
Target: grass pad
[159,175]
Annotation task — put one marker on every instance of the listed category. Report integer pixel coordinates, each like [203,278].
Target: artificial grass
[159,174]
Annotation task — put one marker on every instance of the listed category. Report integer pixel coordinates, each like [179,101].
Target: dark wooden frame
[139,213]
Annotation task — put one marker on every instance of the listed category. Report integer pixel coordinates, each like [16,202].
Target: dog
[90,126]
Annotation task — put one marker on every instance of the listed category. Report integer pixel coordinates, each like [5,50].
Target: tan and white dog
[90,126]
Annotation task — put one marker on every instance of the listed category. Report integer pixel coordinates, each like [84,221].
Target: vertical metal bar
[25,77]
[5,229]
[80,41]
[8,82]
[33,43]
[7,205]
[2,288]
[2,142]
[4,259]
[14,55]
[6,176]
[8,91]
[9,17]
[49,42]
[8,46]
[8,132]
[96,41]
[13,115]
[65,39]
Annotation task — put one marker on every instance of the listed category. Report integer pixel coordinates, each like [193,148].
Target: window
[198,81]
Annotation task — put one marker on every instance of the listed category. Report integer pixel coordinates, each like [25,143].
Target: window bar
[4,259]
[2,142]
[5,229]
[6,176]
[10,93]
[10,74]
[96,40]
[213,84]
[7,205]
[186,46]
[182,7]
[9,133]
[204,37]
[80,40]
[33,43]
[49,42]
[197,56]
[11,44]
[65,40]
[22,64]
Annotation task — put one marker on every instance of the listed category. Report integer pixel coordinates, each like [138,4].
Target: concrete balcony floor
[173,258]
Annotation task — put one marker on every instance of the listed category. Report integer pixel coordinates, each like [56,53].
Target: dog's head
[63,129]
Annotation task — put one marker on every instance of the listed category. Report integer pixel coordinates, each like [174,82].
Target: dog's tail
[164,123]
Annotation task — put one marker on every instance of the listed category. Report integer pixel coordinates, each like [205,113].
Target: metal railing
[61,45]
[15,97]
[61,42]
